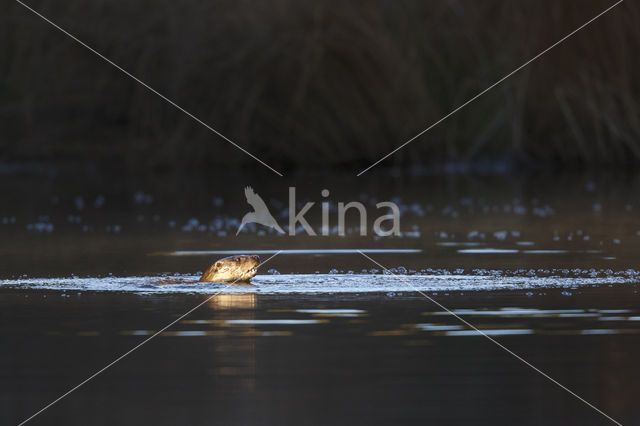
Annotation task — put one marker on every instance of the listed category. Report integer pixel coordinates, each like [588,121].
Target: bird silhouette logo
[260,213]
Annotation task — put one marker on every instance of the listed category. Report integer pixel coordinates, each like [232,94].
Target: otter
[232,269]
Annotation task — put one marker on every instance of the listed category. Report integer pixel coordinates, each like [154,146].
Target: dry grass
[327,83]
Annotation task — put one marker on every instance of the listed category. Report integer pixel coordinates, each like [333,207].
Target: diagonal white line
[121,357]
[151,89]
[500,345]
[491,87]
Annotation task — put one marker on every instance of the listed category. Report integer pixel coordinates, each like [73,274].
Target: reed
[321,83]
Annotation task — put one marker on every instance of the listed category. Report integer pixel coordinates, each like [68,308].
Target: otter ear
[218,265]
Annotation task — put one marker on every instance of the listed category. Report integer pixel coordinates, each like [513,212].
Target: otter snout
[232,268]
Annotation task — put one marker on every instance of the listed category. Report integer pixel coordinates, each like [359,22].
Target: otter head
[232,269]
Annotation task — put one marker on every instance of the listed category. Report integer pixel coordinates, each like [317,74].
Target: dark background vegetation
[320,83]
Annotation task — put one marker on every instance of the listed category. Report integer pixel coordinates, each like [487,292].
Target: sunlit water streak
[532,321]
[516,251]
[287,251]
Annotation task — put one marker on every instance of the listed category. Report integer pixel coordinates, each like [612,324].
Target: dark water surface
[547,266]
[321,359]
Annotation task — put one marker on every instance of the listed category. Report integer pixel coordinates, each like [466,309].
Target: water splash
[315,283]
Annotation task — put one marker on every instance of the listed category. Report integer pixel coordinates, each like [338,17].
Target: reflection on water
[516,312]
[488,251]
[233,301]
[515,251]
[273,321]
[350,313]
[495,332]
[582,323]
[267,352]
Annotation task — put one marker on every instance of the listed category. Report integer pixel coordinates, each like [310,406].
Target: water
[317,358]
[319,284]
[546,266]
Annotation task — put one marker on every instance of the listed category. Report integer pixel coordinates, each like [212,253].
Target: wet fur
[232,269]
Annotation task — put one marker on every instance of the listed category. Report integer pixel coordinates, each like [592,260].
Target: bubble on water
[528,294]
[519,210]
[191,225]
[99,202]
[79,202]
[616,241]
[142,198]
[500,235]
[411,234]
[273,272]
[40,227]
[333,271]
[74,219]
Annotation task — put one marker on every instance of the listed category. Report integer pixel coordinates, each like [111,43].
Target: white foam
[312,284]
